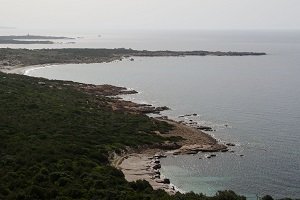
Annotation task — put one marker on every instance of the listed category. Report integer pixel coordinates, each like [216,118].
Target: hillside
[55,142]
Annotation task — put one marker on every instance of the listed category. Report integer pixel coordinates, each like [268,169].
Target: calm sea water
[257,97]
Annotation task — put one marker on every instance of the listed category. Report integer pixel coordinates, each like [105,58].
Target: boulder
[224,150]
[157,172]
[204,128]
[156,161]
[230,144]
[164,181]
[157,176]
[156,166]
[163,108]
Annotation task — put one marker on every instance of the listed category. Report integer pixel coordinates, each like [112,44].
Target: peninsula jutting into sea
[25,57]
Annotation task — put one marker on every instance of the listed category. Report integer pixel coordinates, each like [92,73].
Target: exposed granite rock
[230,144]
[204,128]
[194,149]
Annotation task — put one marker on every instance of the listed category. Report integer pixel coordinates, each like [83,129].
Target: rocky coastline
[144,162]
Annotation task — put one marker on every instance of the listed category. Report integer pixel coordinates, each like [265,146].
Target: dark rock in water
[156,166]
[157,176]
[195,114]
[230,144]
[167,181]
[204,128]
[164,181]
[131,59]
[157,172]
[242,155]
[156,161]
[210,156]
[143,104]
[191,152]
[231,151]
[224,150]
[144,108]
[163,108]
[208,150]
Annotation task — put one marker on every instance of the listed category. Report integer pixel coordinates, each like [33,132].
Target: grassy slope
[54,144]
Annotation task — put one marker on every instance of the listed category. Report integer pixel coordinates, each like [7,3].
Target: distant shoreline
[30,39]
[12,58]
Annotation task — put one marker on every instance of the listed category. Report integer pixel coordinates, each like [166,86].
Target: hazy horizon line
[156,29]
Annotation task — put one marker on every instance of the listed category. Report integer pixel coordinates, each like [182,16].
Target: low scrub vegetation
[55,143]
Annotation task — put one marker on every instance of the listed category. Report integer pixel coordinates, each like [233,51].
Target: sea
[251,101]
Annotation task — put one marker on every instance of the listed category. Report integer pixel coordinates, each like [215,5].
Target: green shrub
[267,197]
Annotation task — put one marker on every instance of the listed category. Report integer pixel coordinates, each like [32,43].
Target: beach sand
[20,69]
[139,165]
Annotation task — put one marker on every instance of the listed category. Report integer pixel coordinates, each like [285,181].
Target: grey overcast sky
[151,14]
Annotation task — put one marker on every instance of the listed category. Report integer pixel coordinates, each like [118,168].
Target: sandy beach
[139,166]
[21,69]
[144,164]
